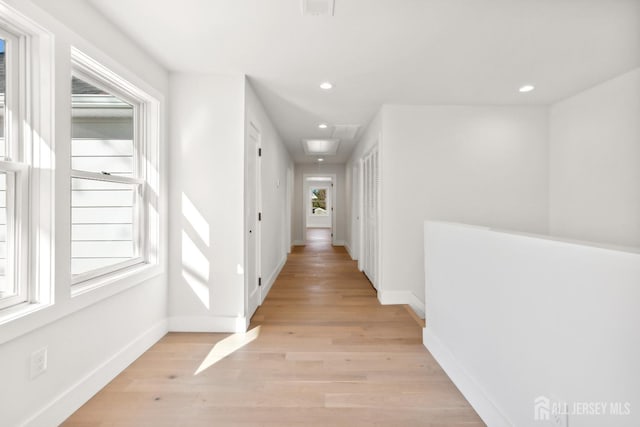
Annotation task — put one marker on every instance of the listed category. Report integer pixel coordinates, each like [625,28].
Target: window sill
[111,278]
[18,311]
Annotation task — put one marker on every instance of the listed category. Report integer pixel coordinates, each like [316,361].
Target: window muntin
[107,188]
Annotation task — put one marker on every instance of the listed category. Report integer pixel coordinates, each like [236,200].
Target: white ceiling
[387,51]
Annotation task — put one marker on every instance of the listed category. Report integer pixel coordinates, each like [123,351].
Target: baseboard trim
[349,251]
[402,297]
[272,278]
[69,401]
[470,389]
[299,243]
[338,243]
[223,324]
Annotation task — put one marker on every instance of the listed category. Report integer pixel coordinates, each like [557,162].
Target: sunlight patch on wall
[195,219]
[195,269]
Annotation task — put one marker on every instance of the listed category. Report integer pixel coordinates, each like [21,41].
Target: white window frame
[145,179]
[28,162]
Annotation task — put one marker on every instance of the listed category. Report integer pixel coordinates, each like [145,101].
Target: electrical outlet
[38,362]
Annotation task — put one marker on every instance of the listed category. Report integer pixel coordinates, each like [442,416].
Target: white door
[370,215]
[253,219]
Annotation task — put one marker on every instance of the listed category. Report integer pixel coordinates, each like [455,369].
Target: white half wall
[207,202]
[511,317]
[595,163]
[478,165]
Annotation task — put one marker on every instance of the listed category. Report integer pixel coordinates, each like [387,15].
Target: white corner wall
[91,337]
[206,291]
[276,216]
[476,165]
[511,317]
[595,163]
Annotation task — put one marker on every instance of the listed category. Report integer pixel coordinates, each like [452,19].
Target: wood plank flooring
[324,353]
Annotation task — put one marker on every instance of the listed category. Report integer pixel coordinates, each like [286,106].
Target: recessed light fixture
[326,85]
[323,125]
[321,159]
[527,88]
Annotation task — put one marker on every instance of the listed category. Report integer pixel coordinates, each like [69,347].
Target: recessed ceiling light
[321,159]
[323,126]
[527,88]
[326,85]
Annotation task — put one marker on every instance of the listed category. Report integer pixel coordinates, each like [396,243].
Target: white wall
[476,165]
[94,335]
[299,203]
[511,317]
[595,163]
[318,221]
[275,165]
[206,290]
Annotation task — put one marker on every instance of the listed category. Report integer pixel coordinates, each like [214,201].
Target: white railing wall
[512,317]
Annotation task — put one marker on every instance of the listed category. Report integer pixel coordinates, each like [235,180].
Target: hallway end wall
[302,169]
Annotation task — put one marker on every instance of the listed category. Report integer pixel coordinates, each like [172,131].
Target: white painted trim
[65,404]
[349,251]
[402,297]
[338,243]
[471,390]
[223,324]
[299,243]
[272,278]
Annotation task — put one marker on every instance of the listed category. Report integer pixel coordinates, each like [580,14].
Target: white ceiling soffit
[395,52]
[345,132]
[317,7]
[323,147]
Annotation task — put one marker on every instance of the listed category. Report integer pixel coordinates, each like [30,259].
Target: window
[319,201]
[112,160]
[14,173]
[26,184]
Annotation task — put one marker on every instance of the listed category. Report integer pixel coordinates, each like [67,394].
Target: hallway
[321,351]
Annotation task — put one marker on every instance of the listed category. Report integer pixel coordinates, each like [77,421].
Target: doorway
[318,208]
[370,214]
[253,218]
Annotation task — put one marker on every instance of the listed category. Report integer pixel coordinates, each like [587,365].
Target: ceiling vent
[347,132]
[317,7]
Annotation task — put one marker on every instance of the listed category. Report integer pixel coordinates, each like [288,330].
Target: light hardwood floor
[327,354]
